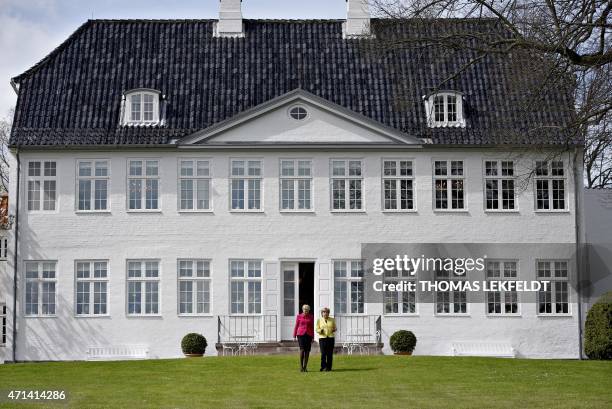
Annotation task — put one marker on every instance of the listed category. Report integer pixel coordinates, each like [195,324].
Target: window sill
[502,211]
[568,315]
[452,314]
[143,315]
[352,314]
[340,211]
[258,314]
[92,316]
[296,211]
[195,315]
[40,316]
[517,315]
[400,211]
[142,123]
[196,211]
[552,211]
[93,211]
[399,315]
[447,124]
[144,211]
[43,211]
[451,210]
[246,211]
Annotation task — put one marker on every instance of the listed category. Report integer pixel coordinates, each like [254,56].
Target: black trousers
[327,352]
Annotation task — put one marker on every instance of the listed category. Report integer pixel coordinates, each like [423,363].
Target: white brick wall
[168,235]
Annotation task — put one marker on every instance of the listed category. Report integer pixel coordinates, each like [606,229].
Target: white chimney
[357,19]
[230,19]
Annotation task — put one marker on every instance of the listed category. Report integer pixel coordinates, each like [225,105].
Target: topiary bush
[598,329]
[403,341]
[194,344]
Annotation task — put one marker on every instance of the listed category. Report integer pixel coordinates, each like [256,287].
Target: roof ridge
[212,20]
[273,20]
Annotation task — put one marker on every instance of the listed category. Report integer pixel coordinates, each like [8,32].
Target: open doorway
[306,285]
[298,289]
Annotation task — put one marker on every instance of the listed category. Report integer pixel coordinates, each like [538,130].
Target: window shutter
[271,291]
[324,289]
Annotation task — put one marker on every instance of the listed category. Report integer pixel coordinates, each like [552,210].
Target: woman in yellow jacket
[326,328]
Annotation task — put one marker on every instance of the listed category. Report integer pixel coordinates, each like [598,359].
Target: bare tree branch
[564,43]
[5,132]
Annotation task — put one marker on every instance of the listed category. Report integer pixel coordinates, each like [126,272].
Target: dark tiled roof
[73,96]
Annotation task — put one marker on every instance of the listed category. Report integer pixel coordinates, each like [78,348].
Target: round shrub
[194,344]
[403,341]
[598,329]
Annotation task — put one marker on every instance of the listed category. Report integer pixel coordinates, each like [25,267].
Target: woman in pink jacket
[304,331]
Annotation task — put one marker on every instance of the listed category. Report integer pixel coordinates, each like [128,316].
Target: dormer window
[141,108]
[444,109]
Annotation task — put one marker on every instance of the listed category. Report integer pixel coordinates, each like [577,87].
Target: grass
[369,381]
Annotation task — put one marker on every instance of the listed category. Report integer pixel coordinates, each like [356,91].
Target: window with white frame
[141,107]
[246,180]
[245,286]
[40,281]
[550,185]
[398,185]
[449,180]
[143,184]
[451,301]
[92,185]
[3,248]
[42,185]
[91,287]
[194,184]
[400,302]
[347,184]
[296,184]
[445,109]
[348,287]
[499,185]
[194,287]
[298,112]
[502,302]
[3,324]
[143,287]
[555,300]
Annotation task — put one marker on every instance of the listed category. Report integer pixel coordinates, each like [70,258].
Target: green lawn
[373,381]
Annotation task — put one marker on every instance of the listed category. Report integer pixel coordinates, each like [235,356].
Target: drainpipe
[579,262]
[16,238]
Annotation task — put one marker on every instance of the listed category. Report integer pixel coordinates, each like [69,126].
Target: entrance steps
[268,348]
[292,348]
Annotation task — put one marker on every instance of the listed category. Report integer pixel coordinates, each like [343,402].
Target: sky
[30,29]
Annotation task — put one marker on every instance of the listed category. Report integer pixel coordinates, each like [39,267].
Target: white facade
[272,236]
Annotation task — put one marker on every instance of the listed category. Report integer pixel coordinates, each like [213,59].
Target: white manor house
[210,176]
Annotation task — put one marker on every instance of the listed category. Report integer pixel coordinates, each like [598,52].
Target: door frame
[283,261]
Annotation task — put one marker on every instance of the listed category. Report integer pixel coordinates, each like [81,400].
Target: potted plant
[194,345]
[403,342]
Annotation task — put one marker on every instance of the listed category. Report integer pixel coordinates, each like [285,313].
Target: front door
[298,289]
[289,274]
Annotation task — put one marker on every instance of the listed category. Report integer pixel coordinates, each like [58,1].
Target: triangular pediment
[325,123]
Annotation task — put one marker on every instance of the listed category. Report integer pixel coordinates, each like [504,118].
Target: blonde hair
[324,309]
[306,307]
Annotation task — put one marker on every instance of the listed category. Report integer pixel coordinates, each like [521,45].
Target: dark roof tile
[73,96]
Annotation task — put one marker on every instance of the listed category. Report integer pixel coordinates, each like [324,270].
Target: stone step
[291,348]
